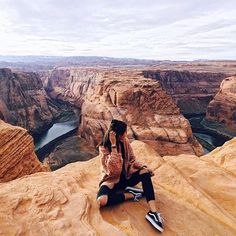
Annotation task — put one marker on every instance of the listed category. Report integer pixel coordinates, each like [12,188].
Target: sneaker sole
[153,223]
[135,189]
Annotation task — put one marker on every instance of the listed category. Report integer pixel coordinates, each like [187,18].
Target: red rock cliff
[222,109]
[17,156]
[192,91]
[24,102]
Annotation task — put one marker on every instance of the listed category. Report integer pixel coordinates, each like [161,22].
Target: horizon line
[112,57]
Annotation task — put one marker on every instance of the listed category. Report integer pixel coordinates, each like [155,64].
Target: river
[45,142]
[57,130]
[208,140]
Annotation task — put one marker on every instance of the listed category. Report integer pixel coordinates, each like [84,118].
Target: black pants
[116,195]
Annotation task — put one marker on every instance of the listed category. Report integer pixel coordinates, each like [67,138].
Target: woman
[120,172]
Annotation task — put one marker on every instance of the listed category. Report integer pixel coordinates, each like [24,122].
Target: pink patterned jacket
[111,164]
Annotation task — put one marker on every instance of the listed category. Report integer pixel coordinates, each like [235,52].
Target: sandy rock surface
[197,196]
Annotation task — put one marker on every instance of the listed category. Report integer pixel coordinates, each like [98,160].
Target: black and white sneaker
[137,192]
[156,220]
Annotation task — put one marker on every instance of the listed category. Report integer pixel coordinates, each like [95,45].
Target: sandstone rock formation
[222,109]
[17,156]
[192,91]
[103,94]
[24,102]
[196,196]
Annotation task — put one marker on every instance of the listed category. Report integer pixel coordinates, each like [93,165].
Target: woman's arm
[111,162]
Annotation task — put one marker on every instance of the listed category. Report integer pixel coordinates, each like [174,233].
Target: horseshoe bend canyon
[173,111]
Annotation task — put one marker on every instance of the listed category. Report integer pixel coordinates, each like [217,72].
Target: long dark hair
[119,127]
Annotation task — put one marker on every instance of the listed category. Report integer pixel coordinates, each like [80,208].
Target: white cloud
[157,29]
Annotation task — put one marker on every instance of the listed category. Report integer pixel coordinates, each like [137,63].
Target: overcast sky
[152,29]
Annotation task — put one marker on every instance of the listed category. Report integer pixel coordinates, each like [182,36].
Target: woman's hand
[149,170]
[112,137]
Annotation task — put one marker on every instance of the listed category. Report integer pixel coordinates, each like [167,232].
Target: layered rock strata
[17,156]
[192,91]
[24,102]
[196,196]
[222,109]
[102,94]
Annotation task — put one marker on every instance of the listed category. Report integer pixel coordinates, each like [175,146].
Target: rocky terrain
[69,150]
[221,111]
[17,156]
[196,196]
[103,94]
[43,63]
[24,102]
[192,91]
[227,67]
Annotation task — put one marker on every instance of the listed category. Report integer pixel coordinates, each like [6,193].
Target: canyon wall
[196,196]
[192,91]
[103,94]
[221,111]
[17,156]
[24,102]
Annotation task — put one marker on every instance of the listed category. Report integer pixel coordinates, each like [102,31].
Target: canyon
[195,87]
[191,86]
[192,91]
[106,93]
[24,102]
[196,196]
[194,192]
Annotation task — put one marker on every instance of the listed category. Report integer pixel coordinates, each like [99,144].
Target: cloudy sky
[152,29]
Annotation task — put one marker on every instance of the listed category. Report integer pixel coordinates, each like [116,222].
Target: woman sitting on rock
[120,172]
